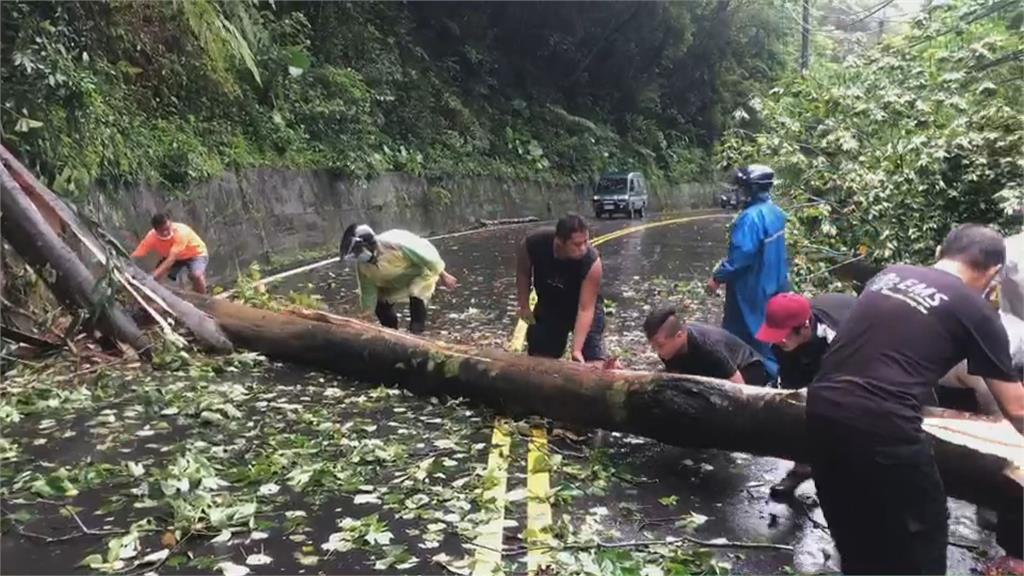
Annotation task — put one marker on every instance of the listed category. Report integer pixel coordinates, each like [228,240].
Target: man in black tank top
[565,272]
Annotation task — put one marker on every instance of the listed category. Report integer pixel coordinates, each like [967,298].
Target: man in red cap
[800,331]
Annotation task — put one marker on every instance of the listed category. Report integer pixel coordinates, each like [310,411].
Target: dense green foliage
[176,92]
[883,154]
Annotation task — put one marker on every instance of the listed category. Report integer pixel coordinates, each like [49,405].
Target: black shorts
[885,504]
[548,339]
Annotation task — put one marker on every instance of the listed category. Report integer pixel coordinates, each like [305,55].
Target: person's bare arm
[585,312]
[165,266]
[524,273]
[448,282]
[737,378]
[1010,397]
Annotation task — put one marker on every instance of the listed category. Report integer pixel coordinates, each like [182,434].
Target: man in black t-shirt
[702,350]
[565,272]
[800,331]
[873,466]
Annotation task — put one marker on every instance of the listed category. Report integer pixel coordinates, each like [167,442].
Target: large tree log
[32,237]
[205,329]
[680,410]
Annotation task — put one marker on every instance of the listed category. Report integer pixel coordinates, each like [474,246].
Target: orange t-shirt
[183,239]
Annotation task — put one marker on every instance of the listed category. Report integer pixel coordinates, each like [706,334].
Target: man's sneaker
[783,489]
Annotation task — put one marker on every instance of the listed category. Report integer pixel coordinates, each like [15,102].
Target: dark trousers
[417,315]
[885,503]
[1010,530]
[548,338]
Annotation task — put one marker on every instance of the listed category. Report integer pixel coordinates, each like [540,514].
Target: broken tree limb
[203,327]
[681,410]
[135,280]
[32,237]
[15,335]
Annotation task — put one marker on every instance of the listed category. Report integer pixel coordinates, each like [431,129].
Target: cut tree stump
[688,411]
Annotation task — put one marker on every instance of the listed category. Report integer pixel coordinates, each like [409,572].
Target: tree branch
[717,543]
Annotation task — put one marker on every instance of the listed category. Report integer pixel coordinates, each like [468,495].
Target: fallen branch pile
[42,229]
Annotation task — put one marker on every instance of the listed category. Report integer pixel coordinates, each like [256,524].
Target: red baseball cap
[784,313]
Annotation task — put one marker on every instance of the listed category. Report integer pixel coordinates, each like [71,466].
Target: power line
[983,13]
[877,9]
[859,12]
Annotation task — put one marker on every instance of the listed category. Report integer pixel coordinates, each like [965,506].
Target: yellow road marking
[519,333]
[538,482]
[488,542]
[538,509]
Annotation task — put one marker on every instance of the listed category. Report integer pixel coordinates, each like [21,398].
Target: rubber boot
[417,315]
[386,314]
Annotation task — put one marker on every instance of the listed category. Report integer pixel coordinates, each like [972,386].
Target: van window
[609,186]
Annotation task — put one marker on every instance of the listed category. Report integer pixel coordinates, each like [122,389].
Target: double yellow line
[538,483]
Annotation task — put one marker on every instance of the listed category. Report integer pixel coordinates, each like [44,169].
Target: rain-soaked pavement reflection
[641,270]
[328,476]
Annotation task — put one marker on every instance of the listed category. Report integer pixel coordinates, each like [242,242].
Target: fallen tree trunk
[58,212]
[35,240]
[685,411]
[206,330]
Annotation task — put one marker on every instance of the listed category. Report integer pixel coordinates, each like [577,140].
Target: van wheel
[598,214]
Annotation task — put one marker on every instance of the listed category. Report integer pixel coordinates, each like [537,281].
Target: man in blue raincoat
[757,267]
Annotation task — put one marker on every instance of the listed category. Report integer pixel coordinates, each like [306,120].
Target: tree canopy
[882,154]
[176,92]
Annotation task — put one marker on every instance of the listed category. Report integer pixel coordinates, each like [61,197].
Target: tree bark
[32,237]
[681,410]
[64,219]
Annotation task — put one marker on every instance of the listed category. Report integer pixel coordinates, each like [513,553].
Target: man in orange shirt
[179,247]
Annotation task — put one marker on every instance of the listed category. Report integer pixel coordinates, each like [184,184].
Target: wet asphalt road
[289,407]
[643,269]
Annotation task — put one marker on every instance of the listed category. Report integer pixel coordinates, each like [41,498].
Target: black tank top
[557,281]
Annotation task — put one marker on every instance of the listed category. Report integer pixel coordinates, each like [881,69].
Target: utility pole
[805,37]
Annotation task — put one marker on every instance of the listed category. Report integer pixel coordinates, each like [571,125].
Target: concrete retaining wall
[265,214]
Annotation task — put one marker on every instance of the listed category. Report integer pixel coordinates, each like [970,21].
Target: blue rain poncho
[756,269]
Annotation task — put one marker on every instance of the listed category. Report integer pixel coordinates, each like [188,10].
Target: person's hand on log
[577,356]
[611,364]
[448,282]
[713,285]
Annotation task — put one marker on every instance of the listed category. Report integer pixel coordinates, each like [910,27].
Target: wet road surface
[663,265]
[352,479]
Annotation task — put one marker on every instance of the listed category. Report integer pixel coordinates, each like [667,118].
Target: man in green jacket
[391,267]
